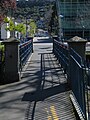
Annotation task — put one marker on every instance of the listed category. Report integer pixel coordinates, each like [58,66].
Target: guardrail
[61,52]
[25,50]
[74,66]
[77,77]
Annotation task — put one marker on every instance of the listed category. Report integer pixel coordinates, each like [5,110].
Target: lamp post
[83,31]
[60,30]
[83,27]
[12,33]
[26,19]
[26,25]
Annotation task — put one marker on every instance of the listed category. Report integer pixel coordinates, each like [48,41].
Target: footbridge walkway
[43,93]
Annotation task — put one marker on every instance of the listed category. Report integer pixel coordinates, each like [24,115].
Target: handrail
[73,66]
[61,52]
[25,49]
[23,44]
[62,44]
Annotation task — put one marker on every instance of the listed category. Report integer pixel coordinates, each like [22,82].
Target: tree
[33,27]
[5,6]
[21,28]
[12,27]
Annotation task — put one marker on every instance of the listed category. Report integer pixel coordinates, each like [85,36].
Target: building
[4,33]
[74,18]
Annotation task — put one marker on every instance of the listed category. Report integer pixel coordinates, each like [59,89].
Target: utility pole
[26,19]
[83,31]
[26,26]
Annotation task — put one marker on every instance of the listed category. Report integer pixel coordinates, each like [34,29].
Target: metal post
[26,26]
[83,31]
[26,19]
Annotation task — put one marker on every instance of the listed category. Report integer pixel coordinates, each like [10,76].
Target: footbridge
[51,83]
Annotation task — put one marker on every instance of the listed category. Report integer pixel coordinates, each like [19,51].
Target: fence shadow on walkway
[43,92]
[40,95]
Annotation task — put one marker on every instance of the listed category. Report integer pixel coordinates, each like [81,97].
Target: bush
[2,49]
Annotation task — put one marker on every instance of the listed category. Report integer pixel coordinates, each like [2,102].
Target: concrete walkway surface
[42,93]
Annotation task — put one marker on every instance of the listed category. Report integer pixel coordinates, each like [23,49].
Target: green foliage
[6,20]
[20,28]
[1,47]
[33,27]
[11,25]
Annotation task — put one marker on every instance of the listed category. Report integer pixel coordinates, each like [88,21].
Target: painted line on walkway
[54,114]
[49,117]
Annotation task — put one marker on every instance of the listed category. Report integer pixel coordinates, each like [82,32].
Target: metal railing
[87,77]
[77,77]
[61,52]
[74,66]
[25,50]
